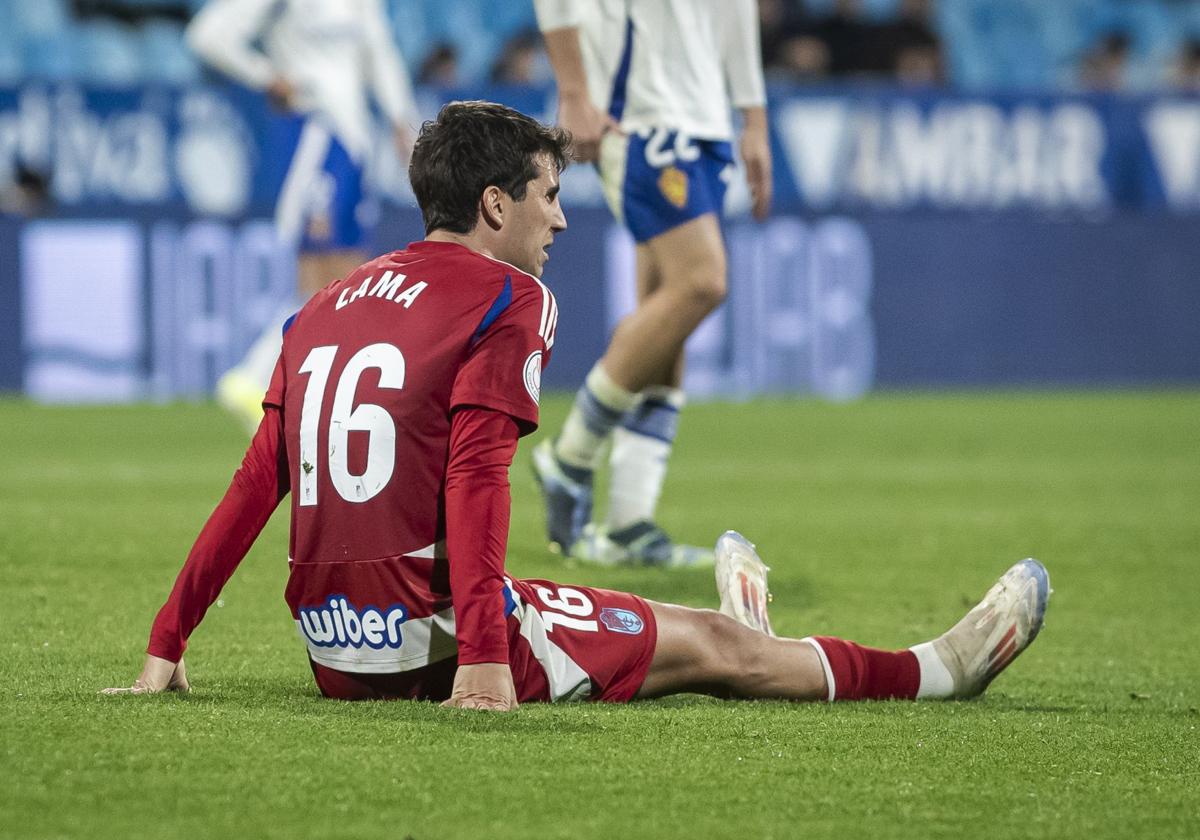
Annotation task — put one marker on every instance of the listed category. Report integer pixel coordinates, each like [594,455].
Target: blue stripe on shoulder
[616,100]
[498,306]
[510,603]
[287,325]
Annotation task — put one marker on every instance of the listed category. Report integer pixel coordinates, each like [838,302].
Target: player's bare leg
[681,279]
[690,261]
[707,652]
[317,270]
[240,390]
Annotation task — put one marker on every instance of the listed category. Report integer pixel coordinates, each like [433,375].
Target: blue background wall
[918,241]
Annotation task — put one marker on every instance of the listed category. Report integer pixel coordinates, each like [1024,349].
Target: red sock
[863,673]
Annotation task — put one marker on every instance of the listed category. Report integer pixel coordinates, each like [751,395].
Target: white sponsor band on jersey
[338,624]
[417,641]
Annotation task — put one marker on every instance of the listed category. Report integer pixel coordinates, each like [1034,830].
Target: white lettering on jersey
[386,287]
[339,624]
[410,294]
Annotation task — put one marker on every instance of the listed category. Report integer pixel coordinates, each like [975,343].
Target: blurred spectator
[131,11]
[778,20]
[522,61]
[440,67]
[913,48]
[28,195]
[791,50]
[1105,66]
[1186,73]
[800,58]
[849,39]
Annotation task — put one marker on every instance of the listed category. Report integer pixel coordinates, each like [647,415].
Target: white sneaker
[997,629]
[742,582]
[567,492]
[642,543]
[242,397]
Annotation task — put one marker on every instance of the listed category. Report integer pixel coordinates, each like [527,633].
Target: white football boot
[643,543]
[997,629]
[742,582]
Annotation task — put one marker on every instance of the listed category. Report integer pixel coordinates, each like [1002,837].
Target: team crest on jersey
[621,621]
[533,375]
[673,184]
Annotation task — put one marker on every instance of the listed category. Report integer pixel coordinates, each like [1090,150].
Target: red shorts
[564,643]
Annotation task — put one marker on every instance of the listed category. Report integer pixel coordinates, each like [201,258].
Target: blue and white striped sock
[641,448]
[599,406]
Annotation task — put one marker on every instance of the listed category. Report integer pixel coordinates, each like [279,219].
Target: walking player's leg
[686,268]
[705,651]
[690,261]
[642,443]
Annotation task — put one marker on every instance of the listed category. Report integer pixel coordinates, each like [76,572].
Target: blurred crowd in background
[1099,45]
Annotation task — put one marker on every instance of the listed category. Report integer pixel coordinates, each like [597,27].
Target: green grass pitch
[882,520]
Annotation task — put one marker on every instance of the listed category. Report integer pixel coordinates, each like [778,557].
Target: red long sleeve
[482,445]
[253,495]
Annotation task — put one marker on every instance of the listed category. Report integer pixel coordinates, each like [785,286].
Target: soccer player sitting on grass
[392,419]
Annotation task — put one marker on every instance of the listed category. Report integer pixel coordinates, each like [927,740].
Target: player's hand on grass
[157,675]
[755,149]
[587,124]
[487,686]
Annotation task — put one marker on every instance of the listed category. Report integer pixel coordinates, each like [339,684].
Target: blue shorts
[320,203]
[657,180]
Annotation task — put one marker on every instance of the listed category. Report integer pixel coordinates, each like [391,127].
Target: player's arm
[222,34]
[482,445]
[389,77]
[559,23]
[747,91]
[253,495]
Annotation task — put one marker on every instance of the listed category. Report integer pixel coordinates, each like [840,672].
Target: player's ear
[491,207]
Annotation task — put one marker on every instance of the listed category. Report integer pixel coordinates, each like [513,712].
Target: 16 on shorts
[578,642]
[657,179]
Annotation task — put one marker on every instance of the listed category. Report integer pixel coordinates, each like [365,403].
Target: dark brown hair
[470,147]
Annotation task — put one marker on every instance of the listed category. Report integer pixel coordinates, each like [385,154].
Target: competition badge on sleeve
[533,376]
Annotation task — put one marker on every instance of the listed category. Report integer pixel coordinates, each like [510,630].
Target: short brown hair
[472,146]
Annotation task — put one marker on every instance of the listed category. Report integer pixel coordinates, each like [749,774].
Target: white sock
[599,406]
[639,467]
[641,448]
[936,682]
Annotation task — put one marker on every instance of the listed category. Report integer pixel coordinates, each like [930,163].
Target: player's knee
[701,287]
[733,655]
[710,290]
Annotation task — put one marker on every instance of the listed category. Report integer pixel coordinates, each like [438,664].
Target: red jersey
[378,372]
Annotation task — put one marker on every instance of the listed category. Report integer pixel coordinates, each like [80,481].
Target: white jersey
[675,64]
[330,51]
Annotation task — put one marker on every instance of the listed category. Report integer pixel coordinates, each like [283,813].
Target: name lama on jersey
[338,624]
[386,287]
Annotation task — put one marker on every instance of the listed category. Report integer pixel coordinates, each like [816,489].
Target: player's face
[534,220]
